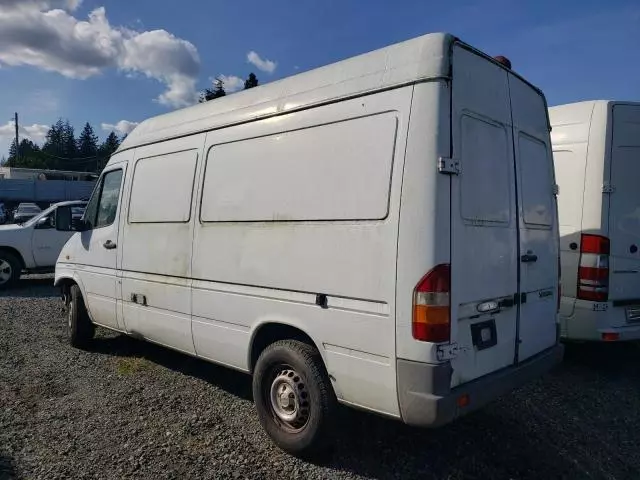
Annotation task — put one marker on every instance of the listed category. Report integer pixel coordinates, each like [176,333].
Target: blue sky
[110,61]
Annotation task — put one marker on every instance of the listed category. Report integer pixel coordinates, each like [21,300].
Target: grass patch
[129,366]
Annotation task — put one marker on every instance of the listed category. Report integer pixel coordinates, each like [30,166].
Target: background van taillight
[431,307]
[593,271]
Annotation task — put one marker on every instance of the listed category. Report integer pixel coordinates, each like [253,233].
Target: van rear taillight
[593,272]
[431,307]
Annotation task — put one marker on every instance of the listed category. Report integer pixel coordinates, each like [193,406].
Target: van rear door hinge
[608,188]
[448,166]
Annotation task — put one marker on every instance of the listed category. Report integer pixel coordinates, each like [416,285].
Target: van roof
[570,122]
[421,58]
[579,112]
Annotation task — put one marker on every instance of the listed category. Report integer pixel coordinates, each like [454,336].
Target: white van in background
[381,232]
[596,147]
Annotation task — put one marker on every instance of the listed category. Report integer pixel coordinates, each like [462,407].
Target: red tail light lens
[593,272]
[431,307]
[594,244]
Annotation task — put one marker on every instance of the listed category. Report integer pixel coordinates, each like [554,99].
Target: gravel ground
[128,409]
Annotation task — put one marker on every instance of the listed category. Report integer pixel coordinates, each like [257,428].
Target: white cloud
[34,33]
[36,132]
[160,55]
[231,83]
[69,5]
[260,63]
[122,127]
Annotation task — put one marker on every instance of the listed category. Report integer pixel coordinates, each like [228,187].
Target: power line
[69,159]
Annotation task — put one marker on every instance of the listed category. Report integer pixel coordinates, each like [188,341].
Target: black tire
[81,330]
[10,269]
[289,366]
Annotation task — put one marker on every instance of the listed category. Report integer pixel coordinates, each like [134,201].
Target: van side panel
[249,271]
[156,245]
[595,217]
[570,137]
[423,236]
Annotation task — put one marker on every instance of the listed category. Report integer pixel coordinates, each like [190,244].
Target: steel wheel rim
[288,398]
[5,271]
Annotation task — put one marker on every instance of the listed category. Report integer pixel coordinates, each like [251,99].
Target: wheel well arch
[65,284]
[16,253]
[271,332]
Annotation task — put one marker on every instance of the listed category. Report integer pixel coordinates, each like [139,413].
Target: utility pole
[17,138]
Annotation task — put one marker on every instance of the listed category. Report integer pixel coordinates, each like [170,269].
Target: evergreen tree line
[63,151]
[218,88]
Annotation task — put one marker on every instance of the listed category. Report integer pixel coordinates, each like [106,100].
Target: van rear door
[484,223]
[624,206]
[504,255]
[538,226]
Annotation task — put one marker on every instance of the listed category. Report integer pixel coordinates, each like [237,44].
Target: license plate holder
[484,334]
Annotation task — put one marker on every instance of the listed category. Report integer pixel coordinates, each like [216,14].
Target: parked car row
[25,211]
[388,239]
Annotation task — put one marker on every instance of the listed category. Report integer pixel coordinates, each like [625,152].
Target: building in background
[13,173]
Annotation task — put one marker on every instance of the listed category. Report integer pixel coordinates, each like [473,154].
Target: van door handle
[529,258]
[109,245]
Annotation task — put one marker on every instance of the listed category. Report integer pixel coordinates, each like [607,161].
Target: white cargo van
[596,146]
[381,232]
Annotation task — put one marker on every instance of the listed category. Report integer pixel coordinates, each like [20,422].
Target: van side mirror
[63,219]
[79,225]
[66,223]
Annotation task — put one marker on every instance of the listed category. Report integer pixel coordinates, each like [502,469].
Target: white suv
[33,246]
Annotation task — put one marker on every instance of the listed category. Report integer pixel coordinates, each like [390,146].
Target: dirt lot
[129,409]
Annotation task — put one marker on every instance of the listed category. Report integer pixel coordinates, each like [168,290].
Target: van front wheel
[294,397]
[81,330]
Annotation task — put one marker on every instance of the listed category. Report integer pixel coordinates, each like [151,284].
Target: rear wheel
[81,330]
[294,397]
[10,269]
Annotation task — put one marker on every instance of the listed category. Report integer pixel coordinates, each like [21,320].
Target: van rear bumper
[594,321]
[426,400]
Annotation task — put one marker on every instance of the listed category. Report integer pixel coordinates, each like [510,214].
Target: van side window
[103,206]
[162,188]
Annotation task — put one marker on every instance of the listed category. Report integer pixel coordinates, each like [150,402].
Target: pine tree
[87,147]
[212,94]
[31,156]
[53,147]
[70,148]
[105,150]
[13,154]
[251,81]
